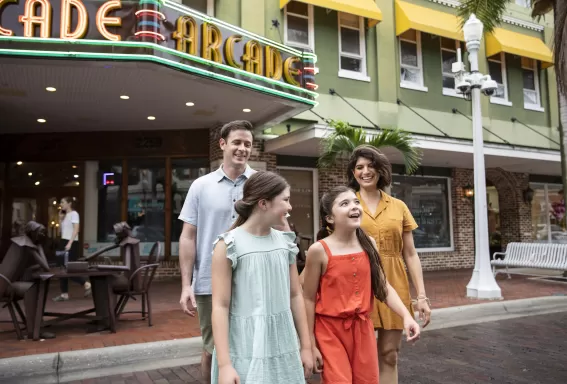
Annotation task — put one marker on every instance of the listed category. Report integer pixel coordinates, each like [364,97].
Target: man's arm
[187,254]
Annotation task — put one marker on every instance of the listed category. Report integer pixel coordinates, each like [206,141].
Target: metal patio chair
[145,274]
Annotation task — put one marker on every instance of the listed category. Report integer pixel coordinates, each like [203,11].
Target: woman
[69,224]
[389,221]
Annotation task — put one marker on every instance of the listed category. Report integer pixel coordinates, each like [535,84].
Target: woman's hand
[317,361]
[307,361]
[411,328]
[228,375]
[422,307]
[68,247]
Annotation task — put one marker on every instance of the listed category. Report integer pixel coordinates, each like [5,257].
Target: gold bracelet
[422,298]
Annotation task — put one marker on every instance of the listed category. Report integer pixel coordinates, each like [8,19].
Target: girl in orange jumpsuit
[342,276]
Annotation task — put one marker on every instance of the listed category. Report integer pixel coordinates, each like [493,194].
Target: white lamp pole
[482,284]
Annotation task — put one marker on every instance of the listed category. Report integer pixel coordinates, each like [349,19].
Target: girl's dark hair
[377,160]
[376,271]
[70,200]
[262,185]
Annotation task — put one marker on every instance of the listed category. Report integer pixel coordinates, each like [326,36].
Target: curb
[92,363]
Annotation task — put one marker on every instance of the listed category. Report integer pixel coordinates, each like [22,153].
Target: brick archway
[515,223]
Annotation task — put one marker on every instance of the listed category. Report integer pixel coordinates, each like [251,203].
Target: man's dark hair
[235,126]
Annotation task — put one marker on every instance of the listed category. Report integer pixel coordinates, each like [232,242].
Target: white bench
[531,255]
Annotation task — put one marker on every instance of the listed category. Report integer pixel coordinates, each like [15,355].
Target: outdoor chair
[24,257]
[145,275]
[131,249]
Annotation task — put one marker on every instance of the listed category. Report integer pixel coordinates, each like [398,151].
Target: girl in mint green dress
[258,310]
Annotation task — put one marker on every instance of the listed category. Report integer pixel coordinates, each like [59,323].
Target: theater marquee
[164,26]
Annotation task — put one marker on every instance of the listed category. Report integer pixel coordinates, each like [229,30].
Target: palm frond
[559,48]
[342,142]
[489,12]
[403,142]
[541,7]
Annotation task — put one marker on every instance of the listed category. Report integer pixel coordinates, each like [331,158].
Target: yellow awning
[364,8]
[411,16]
[502,40]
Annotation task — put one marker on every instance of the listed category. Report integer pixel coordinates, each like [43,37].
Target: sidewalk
[492,352]
[444,288]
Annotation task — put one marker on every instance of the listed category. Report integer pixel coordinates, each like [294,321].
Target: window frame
[310,28]
[523,3]
[451,248]
[210,11]
[408,85]
[449,91]
[345,73]
[498,100]
[533,107]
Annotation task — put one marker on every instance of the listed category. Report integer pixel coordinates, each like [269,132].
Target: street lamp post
[482,284]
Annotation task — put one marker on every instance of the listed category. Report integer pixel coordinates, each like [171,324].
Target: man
[208,211]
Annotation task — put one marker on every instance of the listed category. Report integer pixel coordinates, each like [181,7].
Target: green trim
[159,60]
[163,49]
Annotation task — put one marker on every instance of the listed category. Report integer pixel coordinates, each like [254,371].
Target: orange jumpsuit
[343,329]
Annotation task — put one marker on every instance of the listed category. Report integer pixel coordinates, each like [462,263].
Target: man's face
[237,148]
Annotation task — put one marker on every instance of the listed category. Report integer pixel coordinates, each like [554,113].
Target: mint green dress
[264,347]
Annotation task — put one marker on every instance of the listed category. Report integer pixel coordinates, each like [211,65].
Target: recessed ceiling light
[51,89]
[189,104]
[76,182]
[41,120]
[74,166]
[246,110]
[76,176]
[124,97]
[54,202]
[151,118]
[29,173]
[37,183]
[19,163]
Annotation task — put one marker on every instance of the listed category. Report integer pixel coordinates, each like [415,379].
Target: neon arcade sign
[159,22]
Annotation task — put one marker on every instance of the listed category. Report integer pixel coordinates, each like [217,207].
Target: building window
[352,47]
[411,65]
[204,6]
[548,214]
[109,186]
[497,71]
[298,25]
[532,98]
[146,201]
[524,3]
[183,173]
[449,49]
[429,201]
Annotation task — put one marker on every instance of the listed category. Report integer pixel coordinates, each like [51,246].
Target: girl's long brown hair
[262,185]
[378,279]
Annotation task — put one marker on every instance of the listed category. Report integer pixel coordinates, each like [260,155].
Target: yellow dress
[391,219]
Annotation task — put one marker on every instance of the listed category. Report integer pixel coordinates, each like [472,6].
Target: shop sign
[156,22]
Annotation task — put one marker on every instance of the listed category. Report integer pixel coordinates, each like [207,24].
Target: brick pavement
[529,350]
[444,288]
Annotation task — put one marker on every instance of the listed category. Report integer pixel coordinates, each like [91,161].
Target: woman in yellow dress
[389,221]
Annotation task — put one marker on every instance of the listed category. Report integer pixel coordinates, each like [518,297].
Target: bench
[531,255]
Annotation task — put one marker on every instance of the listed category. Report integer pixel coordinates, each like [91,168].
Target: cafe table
[103,297]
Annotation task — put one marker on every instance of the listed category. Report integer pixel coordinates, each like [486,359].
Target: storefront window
[428,200]
[548,214]
[183,173]
[146,201]
[109,186]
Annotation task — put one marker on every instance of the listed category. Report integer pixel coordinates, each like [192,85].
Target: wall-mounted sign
[156,22]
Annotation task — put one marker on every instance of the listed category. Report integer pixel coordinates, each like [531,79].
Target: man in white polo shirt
[208,211]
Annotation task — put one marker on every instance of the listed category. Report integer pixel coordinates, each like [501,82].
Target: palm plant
[342,142]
